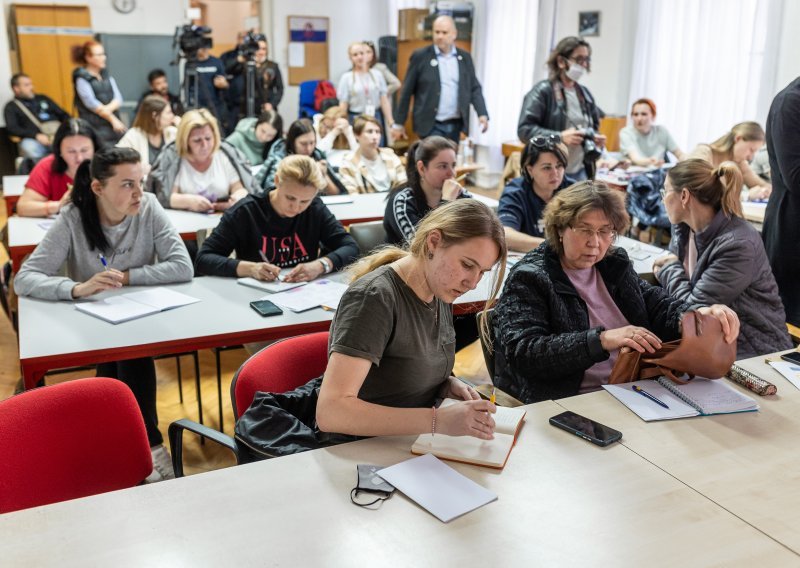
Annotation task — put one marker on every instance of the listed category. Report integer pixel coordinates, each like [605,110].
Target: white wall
[611,50]
[788,63]
[349,21]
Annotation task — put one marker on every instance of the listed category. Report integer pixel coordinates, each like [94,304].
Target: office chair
[70,440]
[279,367]
[306,105]
[368,236]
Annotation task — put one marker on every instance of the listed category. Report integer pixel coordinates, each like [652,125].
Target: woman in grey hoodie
[108,237]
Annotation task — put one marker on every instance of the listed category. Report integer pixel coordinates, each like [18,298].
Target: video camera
[191,39]
[249,45]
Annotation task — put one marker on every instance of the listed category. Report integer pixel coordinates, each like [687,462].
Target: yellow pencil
[492,398]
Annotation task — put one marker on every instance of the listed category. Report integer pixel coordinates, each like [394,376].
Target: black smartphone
[792,357]
[266,308]
[587,429]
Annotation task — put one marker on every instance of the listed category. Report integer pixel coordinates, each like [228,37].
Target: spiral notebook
[700,397]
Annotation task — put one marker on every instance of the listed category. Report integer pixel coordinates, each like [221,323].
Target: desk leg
[31,376]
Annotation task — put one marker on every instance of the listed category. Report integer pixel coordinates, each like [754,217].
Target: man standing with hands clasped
[442,80]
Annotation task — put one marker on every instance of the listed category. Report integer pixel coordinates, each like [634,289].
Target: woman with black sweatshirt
[287,227]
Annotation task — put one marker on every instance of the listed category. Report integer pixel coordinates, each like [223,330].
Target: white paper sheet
[440,489]
[317,293]
[791,371]
[297,54]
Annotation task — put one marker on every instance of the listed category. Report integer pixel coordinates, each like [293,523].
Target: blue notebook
[699,397]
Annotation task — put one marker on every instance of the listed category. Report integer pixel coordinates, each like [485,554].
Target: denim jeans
[449,129]
[32,148]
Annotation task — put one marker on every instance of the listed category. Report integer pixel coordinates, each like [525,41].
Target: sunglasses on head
[548,141]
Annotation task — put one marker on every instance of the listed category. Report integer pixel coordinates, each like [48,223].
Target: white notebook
[468,449]
[317,293]
[440,489]
[700,397]
[125,307]
[336,199]
[272,287]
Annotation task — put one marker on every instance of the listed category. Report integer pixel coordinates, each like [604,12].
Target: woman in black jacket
[571,304]
[561,105]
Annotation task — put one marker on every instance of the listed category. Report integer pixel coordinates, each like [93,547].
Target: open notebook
[700,397]
[272,287]
[489,453]
[125,307]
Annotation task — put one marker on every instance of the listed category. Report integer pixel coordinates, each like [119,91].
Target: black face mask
[370,482]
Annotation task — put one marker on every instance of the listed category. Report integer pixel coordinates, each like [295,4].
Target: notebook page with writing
[645,408]
[711,396]
[440,489]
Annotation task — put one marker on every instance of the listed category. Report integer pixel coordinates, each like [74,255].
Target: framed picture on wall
[588,23]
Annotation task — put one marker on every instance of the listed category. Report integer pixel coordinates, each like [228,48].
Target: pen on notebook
[264,258]
[644,393]
[104,261]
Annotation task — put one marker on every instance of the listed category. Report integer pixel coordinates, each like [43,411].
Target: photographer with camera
[204,81]
[268,82]
[560,105]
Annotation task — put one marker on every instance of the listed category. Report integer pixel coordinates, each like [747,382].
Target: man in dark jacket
[268,88]
[32,118]
[442,80]
[159,86]
[781,230]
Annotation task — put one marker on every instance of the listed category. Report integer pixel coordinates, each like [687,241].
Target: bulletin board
[308,48]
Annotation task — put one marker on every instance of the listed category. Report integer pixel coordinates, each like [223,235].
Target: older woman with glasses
[571,304]
[561,105]
[524,198]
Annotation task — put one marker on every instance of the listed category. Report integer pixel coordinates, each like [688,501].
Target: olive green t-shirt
[411,344]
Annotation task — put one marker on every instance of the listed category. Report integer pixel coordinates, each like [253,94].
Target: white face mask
[575,71]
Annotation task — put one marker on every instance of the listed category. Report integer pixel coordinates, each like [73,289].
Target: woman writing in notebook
[109,237]
[718,257]
[392,342]
[570,305]
[288,227]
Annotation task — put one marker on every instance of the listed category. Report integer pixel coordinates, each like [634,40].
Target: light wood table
[748,462]
[754,212]
[561,501]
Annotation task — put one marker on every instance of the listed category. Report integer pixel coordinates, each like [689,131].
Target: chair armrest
[176,441]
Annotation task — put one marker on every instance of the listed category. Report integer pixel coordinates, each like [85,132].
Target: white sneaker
[162,465]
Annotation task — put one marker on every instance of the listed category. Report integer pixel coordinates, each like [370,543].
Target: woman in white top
[393,84]
[335,135]
[645,143]
[206,178]
[371,169]
[152,129]
[363,90]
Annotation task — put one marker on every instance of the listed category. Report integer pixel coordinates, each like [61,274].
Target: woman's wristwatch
[327,265]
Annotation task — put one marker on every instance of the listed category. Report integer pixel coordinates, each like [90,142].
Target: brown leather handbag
[701,351]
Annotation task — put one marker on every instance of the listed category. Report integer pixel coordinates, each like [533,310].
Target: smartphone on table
[792,357]
[266,308]
[586,428]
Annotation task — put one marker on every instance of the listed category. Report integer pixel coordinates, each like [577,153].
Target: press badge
[369,109]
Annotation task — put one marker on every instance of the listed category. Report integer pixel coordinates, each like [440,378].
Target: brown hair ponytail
[719,188]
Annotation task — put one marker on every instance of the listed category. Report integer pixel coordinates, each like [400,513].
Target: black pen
[641,391]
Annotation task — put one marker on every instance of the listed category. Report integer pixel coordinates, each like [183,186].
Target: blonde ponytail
[731,179]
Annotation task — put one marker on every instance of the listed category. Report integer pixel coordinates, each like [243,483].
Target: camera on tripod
[249,45]
[590,150]
[190,39]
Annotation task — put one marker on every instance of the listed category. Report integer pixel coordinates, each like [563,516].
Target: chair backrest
[368,236]
[306,105]
[70,440]
[279,367]
[488,354]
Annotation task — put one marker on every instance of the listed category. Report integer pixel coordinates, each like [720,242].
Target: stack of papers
[326,293]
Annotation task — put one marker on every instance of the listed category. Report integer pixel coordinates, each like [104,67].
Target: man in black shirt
[32,118]
[159,86]
[268,82]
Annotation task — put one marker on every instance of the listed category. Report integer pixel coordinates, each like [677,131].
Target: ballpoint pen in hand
[103,260]
[644,393]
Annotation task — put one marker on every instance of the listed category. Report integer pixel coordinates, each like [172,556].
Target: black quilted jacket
[543,343]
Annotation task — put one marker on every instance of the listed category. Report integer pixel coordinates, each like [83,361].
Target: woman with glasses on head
[571,304]
[718,256]
[645,143]
[561,105]
[524,198]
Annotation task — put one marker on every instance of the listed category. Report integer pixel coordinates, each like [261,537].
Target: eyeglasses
[581,60]
[548,141]
[604,234]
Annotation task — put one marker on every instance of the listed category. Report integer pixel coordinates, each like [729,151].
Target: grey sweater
[135,243]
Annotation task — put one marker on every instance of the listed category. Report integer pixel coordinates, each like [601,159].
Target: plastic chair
[279,367]
[307,89]
[368,236]
[70,440]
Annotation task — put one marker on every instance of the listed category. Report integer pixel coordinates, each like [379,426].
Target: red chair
[279,367]
[70,440]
